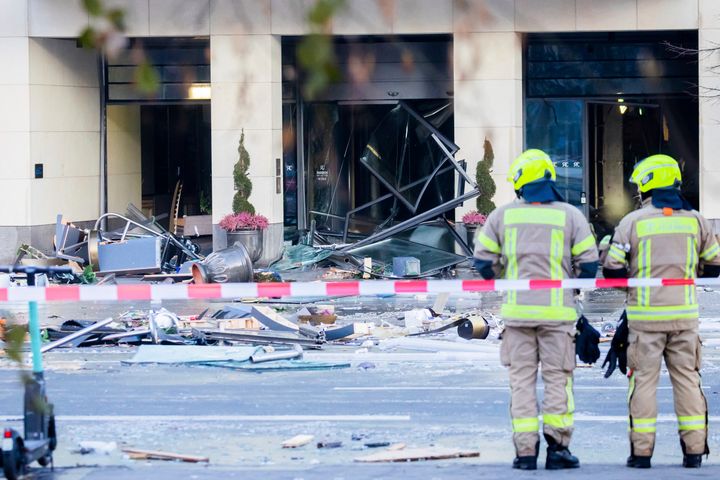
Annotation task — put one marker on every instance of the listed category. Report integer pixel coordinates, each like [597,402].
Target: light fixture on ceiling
[622,108]
[199,91]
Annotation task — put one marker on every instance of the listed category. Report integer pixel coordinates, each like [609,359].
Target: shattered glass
[298,256]
[404,156]
[431,259]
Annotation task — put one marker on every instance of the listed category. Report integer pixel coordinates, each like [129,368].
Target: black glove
[586,341]
[617,356]
[485,268]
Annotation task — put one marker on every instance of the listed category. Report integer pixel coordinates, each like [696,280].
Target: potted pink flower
[472,220]
[246,228]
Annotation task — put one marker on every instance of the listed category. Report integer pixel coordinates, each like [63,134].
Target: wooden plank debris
[297,441]
[137,454]
[396,447]
[417,454]
[245,323]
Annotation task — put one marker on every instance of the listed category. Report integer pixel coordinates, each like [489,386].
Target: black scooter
[40,439]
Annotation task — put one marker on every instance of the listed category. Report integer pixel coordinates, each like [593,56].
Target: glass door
[620,134]
[555,126]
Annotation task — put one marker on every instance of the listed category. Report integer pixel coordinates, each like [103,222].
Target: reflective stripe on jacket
[536,241]
[662,243]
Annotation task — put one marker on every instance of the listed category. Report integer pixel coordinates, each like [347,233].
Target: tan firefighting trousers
[681,351]
[553,346]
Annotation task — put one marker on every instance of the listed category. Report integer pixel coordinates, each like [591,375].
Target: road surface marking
[222,418]
[498,388]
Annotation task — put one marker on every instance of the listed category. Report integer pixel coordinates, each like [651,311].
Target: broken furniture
[173,251]
[140,255]
[138,245]
[70,241]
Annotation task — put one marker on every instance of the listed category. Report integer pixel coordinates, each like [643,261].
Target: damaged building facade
[423,84]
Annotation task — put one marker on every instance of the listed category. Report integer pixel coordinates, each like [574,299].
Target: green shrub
[243,184]
[484,180]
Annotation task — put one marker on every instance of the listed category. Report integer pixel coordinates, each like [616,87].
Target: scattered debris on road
[297,441]
[137,454]
[417,454]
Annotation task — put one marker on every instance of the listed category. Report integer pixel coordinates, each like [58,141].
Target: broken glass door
[341,178]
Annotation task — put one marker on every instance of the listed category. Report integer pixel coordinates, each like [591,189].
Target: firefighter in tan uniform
[538,236]
[665,238]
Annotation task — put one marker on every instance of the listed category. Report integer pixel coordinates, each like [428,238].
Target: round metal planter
[471,230]
[252,240]
[228,265]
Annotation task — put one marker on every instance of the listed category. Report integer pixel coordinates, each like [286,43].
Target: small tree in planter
[484,180]
[246,228]
[486,185]
[243,225]
[243,184]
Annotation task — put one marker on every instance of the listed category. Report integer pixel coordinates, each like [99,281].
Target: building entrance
[358,155]
[600,103]
[158,143]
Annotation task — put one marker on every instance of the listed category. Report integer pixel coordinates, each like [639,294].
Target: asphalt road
[239,419]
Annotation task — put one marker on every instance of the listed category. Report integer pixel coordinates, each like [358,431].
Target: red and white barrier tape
[85,293]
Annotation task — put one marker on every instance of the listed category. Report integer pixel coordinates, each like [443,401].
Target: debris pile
[257,337]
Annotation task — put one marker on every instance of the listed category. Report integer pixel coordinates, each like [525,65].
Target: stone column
[488,89]
[14,128]
[246,96]
[709,81]
[64,135]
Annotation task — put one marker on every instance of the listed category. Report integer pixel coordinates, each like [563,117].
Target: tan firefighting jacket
[536,241]
[662,243]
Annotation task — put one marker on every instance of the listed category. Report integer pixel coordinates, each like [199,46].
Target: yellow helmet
[530,166]
[656,171]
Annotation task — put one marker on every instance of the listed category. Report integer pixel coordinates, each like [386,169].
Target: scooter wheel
[52,433]
[13,466]
[45,461]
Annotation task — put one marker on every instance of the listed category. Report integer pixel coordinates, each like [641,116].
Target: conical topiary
[243,185]
[484,180]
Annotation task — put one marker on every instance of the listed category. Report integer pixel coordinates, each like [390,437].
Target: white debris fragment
[90,446]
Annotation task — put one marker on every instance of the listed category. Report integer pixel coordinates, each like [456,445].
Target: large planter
[471,230]
[252,240]
[228,265]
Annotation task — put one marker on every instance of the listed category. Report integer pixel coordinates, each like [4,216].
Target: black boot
[559,457]
[635,461]
[692,460]
[527,462]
